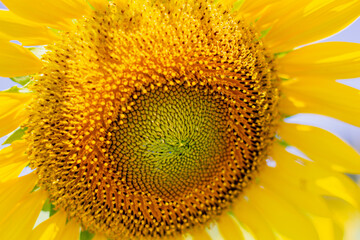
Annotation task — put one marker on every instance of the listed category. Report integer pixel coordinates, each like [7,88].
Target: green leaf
[91,6]
[52,210]
[263,33]
[23,80]
[281,54]
[237,5]
[17,135]
[38,51]
[283,143]
[14,89]
[86,235]
[35,188]
[49,207]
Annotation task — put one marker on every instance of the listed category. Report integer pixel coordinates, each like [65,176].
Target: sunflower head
[151,118]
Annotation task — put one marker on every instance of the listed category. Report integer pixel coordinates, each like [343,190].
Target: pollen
[150,119]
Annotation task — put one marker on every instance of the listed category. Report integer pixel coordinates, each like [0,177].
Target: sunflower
[155,119]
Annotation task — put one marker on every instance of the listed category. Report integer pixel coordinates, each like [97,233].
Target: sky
[349,133]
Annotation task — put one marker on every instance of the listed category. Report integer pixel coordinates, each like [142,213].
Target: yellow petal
[336,60]
[274,13]
[346,216]
[56,14]
[12,191]
[13,27]
[12,114]
[322,147]
[11,171]
[102,237]
[13,153]
[311,177]
[302,199]
[70,232]
[12,161]
[200,234]
[321,96]
[16,61]
[19,223]
[229,227]
[56,228]
[250,216]
[255,6]
[98,4]
[327,228]
[252,11]
[49,229]
[300,22]
[286,219]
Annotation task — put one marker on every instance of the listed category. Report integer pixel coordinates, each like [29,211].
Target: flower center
[172,142]
[150,119]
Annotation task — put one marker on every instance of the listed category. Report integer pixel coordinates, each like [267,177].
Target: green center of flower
[173,140]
